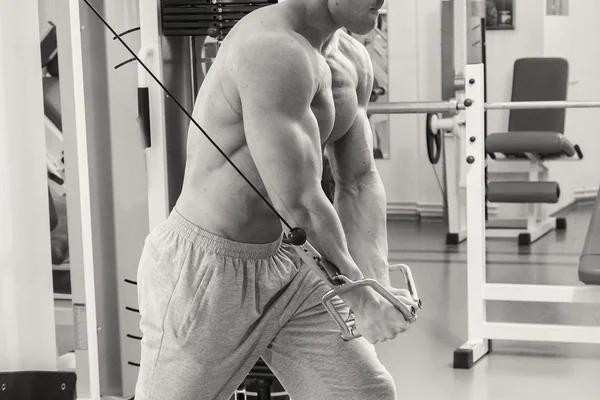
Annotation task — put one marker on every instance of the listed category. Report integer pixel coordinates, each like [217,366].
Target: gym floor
[421,359]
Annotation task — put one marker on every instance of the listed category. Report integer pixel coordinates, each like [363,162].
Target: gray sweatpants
[210,307]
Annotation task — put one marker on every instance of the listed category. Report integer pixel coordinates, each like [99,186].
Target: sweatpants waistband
[217,244]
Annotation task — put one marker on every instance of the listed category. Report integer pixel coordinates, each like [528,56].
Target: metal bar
[84,204]
[542,332]
[417,107]
[532,105]
[541,293]
[475,202]
[423,107]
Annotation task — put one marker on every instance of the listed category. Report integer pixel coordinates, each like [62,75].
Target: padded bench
[533,135]
[546,145]
[517,145]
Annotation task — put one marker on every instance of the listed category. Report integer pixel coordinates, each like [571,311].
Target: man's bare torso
[214,196]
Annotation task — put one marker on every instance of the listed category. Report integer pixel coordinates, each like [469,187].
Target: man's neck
[313,21]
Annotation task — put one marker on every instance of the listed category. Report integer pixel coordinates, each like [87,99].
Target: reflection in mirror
[55,161]
[57,195]
[376,43]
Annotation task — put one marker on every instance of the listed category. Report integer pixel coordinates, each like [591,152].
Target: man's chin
[363,30]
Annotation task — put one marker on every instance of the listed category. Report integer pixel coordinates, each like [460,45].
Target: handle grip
[348,326]
[410,283]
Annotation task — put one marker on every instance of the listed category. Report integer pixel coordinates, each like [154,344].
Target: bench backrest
[539,79]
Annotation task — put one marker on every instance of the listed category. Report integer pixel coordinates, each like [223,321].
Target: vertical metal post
[27,332]
[476,346]
[475,160]
[476,53]
[82,235]
[156,155]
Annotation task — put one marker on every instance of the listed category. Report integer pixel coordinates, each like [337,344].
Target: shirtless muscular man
[219,284]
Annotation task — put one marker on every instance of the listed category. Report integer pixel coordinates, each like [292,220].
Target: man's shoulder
[273,62]
[259,34]
[273,53]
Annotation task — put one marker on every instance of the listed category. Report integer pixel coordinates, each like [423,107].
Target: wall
[415,75]
[567,36]
[413,185]
[503,48]
[399,173]
[414,48]
[429,15]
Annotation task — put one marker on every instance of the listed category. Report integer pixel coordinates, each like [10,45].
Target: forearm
[317,217]
[362,211]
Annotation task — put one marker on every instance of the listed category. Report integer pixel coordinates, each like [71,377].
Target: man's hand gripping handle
[348,326]
[342,284]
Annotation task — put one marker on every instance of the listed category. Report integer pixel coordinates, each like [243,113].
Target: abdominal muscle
[221,202]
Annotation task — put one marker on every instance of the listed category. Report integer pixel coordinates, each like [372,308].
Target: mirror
[376,43]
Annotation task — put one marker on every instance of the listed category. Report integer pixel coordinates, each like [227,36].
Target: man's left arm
[360,198]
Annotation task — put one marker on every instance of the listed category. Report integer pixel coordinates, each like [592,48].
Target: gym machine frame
[468,119]
[481,331]
[105,232]
[29,344]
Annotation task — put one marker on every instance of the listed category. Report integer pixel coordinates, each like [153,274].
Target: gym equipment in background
[480,330]
[37,385]
[56,174]
[533,137]
[589,262]
[53,123]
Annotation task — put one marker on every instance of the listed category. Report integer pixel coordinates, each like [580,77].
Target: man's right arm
[275,77]
[276,83]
